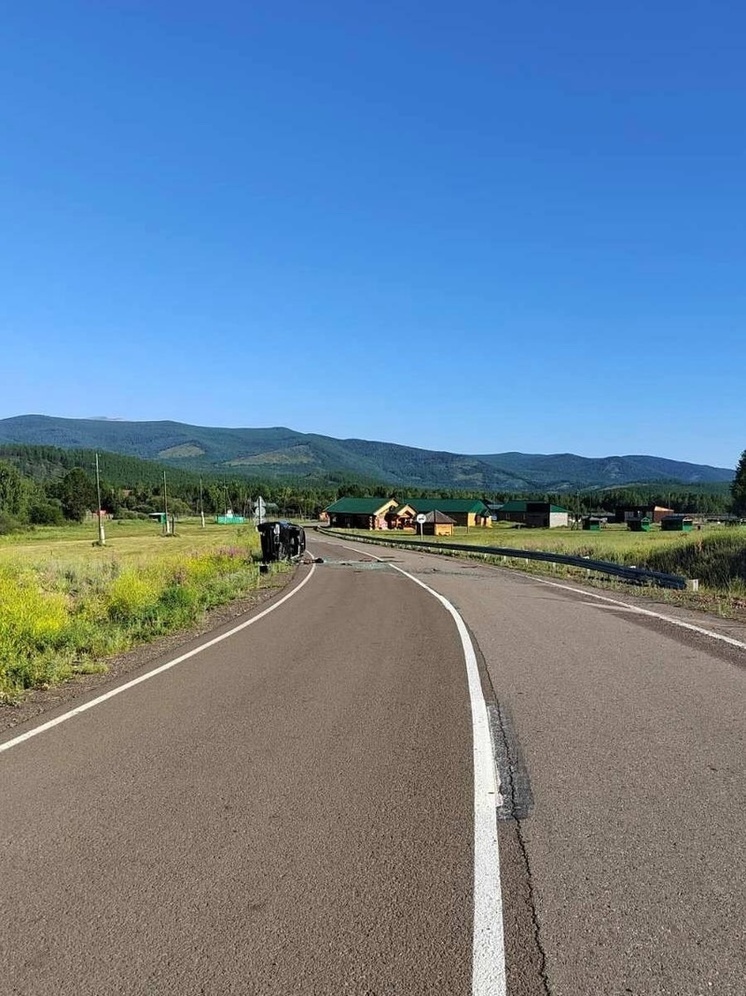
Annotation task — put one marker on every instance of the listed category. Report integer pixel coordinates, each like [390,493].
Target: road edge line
[488,944]
[151,674]
[603,598]
[488,976]
[646,612]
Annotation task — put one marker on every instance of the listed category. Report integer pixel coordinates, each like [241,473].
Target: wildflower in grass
[29,615]
[131,595]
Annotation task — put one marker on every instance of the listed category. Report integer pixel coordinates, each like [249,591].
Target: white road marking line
[151,674]
[646,612]
[488,946]
[632,608]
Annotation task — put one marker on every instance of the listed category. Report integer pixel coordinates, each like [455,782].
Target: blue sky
[476,226]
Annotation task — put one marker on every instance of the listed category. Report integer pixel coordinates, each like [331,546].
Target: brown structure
[624,513]
[379,513]
[360,513]
[535,514]
[400,517]
[463,511]
[438,524]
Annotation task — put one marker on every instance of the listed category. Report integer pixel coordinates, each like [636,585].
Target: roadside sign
[421,520]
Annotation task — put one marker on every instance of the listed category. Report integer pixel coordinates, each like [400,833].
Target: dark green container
[639,525]
[677,523]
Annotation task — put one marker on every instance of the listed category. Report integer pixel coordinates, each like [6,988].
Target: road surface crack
[517,802]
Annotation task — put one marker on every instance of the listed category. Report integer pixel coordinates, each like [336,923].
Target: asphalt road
[291,811]
[622,743]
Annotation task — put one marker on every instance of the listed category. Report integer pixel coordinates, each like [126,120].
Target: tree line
[44,485]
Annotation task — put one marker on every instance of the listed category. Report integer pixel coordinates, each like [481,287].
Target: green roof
[357,506]
[446,505]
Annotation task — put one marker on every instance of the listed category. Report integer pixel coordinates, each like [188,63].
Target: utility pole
[201,505]
[166,524]
[101,536]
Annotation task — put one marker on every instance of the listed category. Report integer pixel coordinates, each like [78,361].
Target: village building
[400,517]
[437,523]
[463,511]
[535,514]
[655,513]
[379,513]
[493,508]
[360,513]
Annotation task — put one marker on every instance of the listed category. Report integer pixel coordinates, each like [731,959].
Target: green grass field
[127,540]
[611,543]
[66,604]
[613,539]
[716,555]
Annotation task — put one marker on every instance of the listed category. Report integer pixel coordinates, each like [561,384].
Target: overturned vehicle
[281,541]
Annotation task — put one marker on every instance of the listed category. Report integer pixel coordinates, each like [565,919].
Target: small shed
[437,523]
[590,522]
[640,525]
[677,523]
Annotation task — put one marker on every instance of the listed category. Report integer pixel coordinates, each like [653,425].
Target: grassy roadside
[66,605]
[716,556]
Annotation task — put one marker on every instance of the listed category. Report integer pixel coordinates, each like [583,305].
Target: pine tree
[738,487]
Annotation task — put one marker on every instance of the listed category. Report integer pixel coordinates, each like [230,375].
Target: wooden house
[360,513]
[536,514]
[463,511]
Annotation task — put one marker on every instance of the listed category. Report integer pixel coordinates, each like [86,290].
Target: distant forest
[45,485]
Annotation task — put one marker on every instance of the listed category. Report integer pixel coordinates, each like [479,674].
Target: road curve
[290,811]
[622,741]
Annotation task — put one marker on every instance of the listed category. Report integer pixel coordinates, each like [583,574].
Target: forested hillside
[284,454]
[47,485]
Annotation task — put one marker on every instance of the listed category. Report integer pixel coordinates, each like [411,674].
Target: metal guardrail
[638,575]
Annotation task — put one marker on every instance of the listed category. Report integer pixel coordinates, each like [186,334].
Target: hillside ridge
[278,451]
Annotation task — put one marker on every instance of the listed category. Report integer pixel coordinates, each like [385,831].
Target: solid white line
[488,946]
[615,601]
[151,674]
[646,612]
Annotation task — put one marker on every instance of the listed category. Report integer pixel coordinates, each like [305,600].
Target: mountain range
[281,452]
